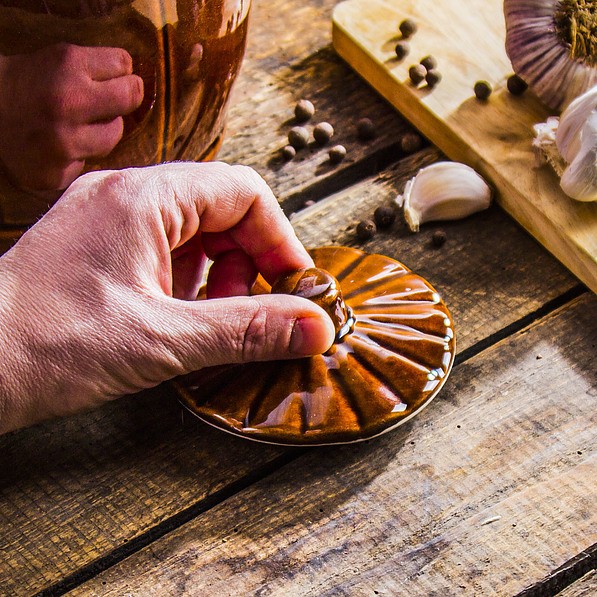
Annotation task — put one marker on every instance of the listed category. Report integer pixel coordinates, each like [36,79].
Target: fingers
[105,100]
[232,274]
[107,63]
[232,204]
[188,263]
[243,329]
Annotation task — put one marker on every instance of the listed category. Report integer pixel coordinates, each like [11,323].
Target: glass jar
[56,56]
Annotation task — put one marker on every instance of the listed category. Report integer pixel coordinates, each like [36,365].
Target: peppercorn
[323,132]
[366,229]
[309,203]
[482,90]
[407,27]
[303,110]
[384,216]
[516,86]
[411,142]
[417,73]
[438,238]
[402,49]
[337,154]
[366,129]
[288,152]
[433,77]
[429,62]
[298,137]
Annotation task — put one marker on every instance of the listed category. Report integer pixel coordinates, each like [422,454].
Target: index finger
[215,197]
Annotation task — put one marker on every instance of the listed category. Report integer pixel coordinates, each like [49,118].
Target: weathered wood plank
[583,587]
[75,490]
[289,56]
[487,491]
[475,264]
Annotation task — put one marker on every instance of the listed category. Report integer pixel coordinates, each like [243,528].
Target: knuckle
[123,60]
[254,335]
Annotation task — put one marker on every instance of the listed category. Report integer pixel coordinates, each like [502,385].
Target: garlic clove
[443,191]
[572,121]
[579,180]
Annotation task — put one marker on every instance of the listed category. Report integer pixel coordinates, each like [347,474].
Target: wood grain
[485,493]
[495,136]
[583,587]
[80,488]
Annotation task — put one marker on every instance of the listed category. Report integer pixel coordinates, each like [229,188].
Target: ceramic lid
[389,363]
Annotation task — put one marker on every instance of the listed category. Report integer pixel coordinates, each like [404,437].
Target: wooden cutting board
[494,137]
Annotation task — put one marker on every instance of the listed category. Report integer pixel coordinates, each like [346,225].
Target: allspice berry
[482,90]
[438,238]
[402,49]
[337,154]
[384,216]
[288,152]
[411,142]
[516,86]
[417,73]
[298,137]
[366,229]
[408,28]
[323,132]
[366,129]
[304,110]
[429,62]
[433,77]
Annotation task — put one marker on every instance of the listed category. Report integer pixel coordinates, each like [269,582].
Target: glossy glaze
[392,364]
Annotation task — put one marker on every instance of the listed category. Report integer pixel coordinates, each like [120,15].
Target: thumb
[243,329]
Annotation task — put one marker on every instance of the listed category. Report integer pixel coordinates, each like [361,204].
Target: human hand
[96,298]
[60,106]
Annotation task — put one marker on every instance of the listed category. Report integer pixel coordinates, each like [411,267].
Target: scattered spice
[288,152]
[438,238]
[516,86]
[366,229]
[323,132]
[402,49]
[366,129]
[429,62]
[337,154]
[304,110]
[482,90]
[298,137]
[411,142]
[384,216]
[417,73]
[433,77]
[408,28]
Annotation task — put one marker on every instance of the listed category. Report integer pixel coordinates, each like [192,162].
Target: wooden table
[489,491]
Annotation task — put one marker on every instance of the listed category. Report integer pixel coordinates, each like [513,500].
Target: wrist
[14,360]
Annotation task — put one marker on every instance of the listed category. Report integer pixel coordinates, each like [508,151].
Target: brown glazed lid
[394,350]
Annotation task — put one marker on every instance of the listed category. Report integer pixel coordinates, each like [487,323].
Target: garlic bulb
[443,191]
[570,146]
[552,45]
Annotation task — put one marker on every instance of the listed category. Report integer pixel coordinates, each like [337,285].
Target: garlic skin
[569,144]
[572,121]
[552,47]
[580,178]
[443,191]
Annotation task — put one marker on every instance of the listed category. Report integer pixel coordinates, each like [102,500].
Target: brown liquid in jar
[188,53]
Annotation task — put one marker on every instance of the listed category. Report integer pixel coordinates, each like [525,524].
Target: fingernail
[310,336]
